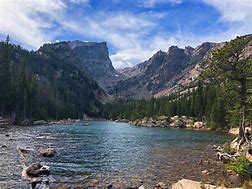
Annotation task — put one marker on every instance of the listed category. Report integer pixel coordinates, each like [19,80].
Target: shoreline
[179,122]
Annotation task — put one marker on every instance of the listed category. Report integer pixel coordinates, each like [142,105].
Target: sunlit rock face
[94,57]
[163,73]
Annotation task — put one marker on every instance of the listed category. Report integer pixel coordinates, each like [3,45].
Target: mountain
[94,57]
[163,73]
[48,83]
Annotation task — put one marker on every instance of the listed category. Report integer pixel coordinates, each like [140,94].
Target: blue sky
[133,29]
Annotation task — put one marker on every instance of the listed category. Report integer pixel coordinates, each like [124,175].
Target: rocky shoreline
[165,121]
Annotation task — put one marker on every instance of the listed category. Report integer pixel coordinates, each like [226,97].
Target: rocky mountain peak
[90,50]
[173,50]
[204,47]
[162,72]
[94,57]
[189,50]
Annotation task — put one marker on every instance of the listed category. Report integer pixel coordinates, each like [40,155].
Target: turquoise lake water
[110,151]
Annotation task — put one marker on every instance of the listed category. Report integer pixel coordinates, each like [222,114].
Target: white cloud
[129,57]
[26,21]
[125,31]
[233,10]
[236,14]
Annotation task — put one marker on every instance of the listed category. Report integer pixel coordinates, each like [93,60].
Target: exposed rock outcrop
[94,57]
[163,73]
[165,121]
[190,184]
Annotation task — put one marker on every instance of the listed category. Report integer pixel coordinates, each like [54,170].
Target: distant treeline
[205,103]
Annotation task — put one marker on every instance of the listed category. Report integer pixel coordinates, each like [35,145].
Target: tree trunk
[2,110]
[243,94]
[242,126]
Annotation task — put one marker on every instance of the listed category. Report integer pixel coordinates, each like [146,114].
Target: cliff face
[94,58]
[163,73]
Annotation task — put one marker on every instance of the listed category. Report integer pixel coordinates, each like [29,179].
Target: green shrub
[240,166]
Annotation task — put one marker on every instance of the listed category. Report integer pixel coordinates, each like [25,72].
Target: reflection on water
[110,150]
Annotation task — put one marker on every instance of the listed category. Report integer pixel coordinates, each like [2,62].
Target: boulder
[190,184]
[124,120]
[235,131]
[47,152]
[188,121]
[160,185]
[163,118]
[177,124]
[174,118]
[144,120]
[199,125]
[36,181]
[36,170]
[234,145]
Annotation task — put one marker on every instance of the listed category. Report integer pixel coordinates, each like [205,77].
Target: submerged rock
[161,185]
[36,181]
[47,152]
[36,170]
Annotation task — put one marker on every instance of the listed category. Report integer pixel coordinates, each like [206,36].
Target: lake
[112,152]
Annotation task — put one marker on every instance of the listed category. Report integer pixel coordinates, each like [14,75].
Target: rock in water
[161,185]
[36,170]
[141,187]
[47,152]
[111,186]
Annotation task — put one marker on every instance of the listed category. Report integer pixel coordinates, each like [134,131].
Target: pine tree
[5,79]
[229,66]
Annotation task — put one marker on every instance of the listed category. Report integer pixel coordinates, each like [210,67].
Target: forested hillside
[45,84]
